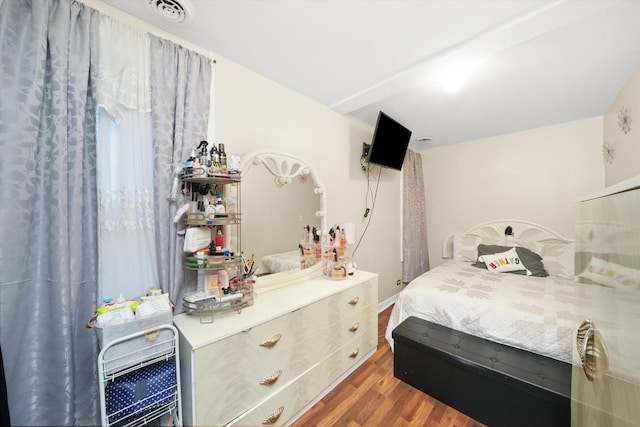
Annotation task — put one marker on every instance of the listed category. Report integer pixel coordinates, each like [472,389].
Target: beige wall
[254,112]
[626,147]
[533,175]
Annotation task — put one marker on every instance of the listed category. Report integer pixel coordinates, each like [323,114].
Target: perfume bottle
[215,159]
[223,157]
[219,240]
[188,166]
[205,158]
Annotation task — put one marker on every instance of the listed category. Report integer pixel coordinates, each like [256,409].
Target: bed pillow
[465,246]
[531,260]
[558,258]
[503,262]
[611,274]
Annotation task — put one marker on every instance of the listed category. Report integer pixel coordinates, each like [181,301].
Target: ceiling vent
[173,11]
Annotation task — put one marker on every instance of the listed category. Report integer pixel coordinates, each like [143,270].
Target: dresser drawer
[352,299]
[361,322]
[292,399]
[228,372]
[240,366]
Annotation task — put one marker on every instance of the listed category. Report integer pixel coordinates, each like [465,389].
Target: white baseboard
[382,306]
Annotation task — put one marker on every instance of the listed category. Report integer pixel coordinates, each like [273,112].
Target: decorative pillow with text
[531,261]
[503,262]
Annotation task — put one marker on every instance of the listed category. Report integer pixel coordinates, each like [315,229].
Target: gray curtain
[180,86]
[414,218]
[48,208]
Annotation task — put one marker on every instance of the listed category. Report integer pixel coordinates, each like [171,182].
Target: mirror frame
[285,167]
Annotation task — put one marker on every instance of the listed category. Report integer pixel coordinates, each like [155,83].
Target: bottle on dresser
[205,158]
[215,159]
[223,158]
[188,166]
[220,209]
[219,240]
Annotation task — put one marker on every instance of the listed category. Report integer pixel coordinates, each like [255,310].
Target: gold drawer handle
[271,419]
[268,343]
[592,351]
[354,327]
[271,379]
[354,301]
[354,353]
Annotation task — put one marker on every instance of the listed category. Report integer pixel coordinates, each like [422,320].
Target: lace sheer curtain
[48,211]
[128,263]
[414,218]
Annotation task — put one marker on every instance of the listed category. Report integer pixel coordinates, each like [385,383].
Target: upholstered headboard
[515,228]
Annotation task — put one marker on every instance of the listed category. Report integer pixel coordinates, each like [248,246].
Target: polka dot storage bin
[141,391]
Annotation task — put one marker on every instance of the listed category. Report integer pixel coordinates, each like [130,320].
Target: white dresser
[271,361]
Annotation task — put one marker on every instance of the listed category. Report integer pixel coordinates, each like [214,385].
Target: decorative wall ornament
[607,152]
[624,120]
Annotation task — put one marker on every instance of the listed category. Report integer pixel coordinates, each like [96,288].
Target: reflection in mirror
[278,201]
[607,241]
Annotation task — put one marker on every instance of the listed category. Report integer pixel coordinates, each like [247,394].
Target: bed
[534,313]
[490,332]
[283,261]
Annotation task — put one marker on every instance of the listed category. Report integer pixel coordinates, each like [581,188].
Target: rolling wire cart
[140,379]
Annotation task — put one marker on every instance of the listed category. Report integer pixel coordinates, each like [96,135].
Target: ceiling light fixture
[173,11]
[453,75]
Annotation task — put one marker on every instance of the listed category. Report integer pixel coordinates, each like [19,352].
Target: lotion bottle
[219,205]
[210,211]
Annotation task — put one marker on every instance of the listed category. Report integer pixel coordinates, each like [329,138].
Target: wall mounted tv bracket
[365,154]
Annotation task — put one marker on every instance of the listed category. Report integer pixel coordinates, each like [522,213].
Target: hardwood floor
[372,396]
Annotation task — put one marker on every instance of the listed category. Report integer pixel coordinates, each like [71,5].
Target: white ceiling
[539,62]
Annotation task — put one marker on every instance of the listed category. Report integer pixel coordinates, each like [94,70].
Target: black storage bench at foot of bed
[492,383]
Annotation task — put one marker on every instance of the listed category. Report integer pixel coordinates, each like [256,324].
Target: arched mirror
[281,195]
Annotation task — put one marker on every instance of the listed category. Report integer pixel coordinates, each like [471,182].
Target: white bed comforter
[284,261]
[538,314]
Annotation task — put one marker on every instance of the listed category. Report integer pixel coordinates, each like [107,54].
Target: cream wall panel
[626,146]
[533,175]
[255,112]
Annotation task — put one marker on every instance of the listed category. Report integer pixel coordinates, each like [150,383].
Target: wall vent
[173,11]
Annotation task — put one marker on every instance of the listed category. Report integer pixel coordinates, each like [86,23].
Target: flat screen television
[389,143]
